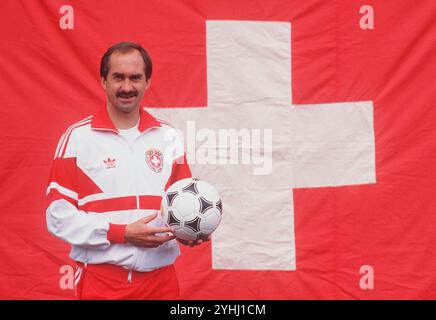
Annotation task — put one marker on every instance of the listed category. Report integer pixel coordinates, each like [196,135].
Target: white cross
[249,86]
[155,160]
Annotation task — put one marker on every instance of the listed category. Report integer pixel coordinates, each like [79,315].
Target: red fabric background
[49,79]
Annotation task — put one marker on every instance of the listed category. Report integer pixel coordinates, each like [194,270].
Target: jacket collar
[102,121]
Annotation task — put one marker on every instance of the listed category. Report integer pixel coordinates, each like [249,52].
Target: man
[108,177]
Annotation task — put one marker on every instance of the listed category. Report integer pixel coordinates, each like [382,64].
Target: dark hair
[125,47]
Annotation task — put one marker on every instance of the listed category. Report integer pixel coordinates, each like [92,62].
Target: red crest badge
[154,159]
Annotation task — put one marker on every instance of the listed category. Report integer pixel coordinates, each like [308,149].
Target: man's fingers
[161,239]
[206,238]
[153,241]
[154,230]
[184,242]
[158,240]
[193,243]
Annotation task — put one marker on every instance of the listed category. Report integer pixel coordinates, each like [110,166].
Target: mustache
[127,94]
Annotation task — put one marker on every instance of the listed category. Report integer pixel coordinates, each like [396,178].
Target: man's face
[125,83]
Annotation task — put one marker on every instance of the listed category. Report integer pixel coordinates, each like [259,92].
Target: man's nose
[126,85]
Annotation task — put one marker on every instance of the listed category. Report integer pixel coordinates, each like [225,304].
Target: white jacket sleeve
[64,219]
[74,226]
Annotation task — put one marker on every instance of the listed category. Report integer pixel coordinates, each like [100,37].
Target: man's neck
[123,120]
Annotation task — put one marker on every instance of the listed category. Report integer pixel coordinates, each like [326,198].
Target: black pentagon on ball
[172,220]
[204,205]
[193,224]
[170,197]
[191,188]
[219,206]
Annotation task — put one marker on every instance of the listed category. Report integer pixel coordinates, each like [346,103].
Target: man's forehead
[126,62]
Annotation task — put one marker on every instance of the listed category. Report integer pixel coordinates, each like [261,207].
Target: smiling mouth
[127,98]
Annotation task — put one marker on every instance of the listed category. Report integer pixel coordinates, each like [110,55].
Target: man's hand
[140,234]
[193,243]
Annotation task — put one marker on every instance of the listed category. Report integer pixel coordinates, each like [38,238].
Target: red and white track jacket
[99,183]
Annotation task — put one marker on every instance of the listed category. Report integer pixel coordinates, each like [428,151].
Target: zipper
[132,158]
[132,175]
[86,257]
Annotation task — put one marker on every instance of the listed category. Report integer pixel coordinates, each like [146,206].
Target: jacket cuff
[116,232]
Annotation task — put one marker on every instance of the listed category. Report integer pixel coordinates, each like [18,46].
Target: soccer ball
[192,207]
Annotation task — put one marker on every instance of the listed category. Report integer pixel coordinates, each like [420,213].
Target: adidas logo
[110,163]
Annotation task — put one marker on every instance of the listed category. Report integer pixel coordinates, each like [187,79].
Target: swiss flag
[363,229]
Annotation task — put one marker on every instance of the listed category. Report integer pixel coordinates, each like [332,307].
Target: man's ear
[148,84]
[103,83]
